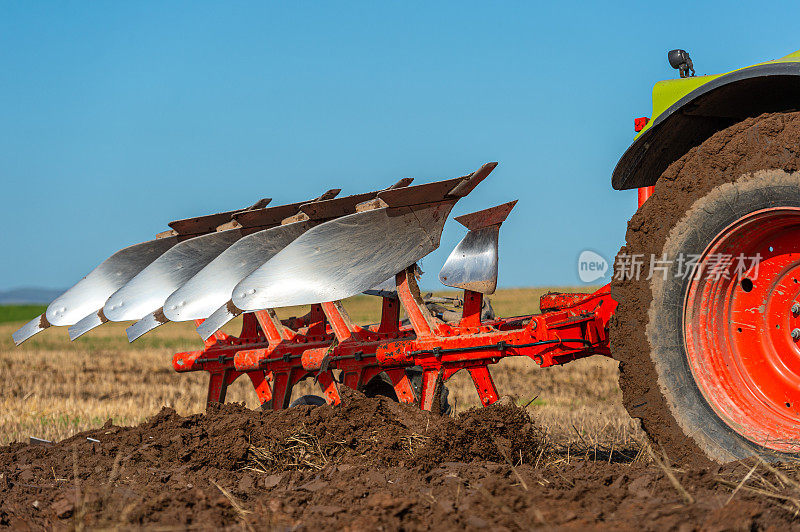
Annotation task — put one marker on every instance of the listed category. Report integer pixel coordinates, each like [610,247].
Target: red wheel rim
[738,322]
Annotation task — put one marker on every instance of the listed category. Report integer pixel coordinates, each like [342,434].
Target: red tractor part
[644,194]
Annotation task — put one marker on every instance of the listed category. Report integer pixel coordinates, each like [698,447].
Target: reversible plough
[213,268]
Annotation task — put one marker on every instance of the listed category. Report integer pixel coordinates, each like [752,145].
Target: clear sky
[118,117]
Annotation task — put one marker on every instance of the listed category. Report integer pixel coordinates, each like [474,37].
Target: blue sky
[118,117]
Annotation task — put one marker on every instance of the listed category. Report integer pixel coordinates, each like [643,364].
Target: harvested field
[53,388]
[565,455]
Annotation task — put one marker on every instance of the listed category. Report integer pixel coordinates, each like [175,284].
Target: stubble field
[53,388]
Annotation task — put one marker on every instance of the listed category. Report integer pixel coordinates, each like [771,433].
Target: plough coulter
[705,314]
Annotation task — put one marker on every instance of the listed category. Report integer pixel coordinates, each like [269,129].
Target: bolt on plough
[251,261]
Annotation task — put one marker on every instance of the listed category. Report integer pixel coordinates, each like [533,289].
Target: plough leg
[402,386]
[484,384]
[431,383]
[261,385]
[329,387]
[281,390]
[218,385]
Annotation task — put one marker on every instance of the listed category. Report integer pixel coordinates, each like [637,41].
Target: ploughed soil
[371,464]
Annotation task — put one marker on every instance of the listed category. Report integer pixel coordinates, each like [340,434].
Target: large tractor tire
[709,349]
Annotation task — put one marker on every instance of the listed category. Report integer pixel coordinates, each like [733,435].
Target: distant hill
[29,296]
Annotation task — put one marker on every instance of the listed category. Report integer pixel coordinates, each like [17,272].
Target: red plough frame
[277,354]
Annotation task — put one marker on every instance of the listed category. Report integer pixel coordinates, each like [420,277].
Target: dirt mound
[369,463]
[168,463]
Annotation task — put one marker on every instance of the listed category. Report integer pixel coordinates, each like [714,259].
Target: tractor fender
[712,107]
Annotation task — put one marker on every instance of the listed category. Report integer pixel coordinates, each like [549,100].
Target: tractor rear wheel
[707,330]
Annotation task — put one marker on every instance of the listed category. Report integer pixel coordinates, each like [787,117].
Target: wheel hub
[742,327]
